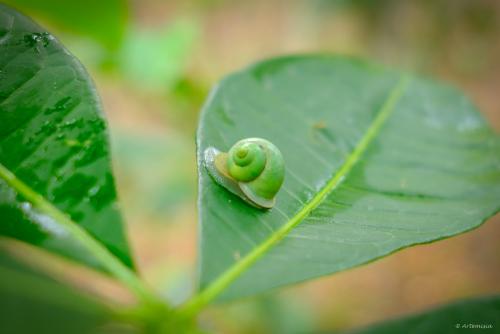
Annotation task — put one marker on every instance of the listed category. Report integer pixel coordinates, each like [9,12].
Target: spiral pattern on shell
[246,161]
[253,169]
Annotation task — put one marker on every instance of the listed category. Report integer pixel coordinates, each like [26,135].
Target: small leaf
[52,139]
[375,161]
[471,316]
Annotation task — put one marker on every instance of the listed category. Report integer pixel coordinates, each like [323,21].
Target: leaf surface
[52,139]
[375,161]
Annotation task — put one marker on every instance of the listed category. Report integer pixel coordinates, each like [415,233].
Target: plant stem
[196,303]
[101,253]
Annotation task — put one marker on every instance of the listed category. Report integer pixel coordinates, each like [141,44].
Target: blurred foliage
[177,284]
[103,21]
[277,314]
[422,34]
[186,98]
[31,302]
[155,59]
[474,315]
[157,171]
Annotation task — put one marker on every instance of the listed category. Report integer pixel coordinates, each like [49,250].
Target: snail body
[253,169]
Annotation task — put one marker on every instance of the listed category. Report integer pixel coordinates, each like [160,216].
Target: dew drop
[45,222]
[37,40]
[93,191]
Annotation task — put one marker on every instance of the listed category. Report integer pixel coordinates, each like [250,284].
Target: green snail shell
[253,169]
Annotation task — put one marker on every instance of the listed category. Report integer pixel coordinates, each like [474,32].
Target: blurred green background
[154,62]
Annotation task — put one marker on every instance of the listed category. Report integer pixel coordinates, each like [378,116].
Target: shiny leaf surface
[472,316]
[375,161]
[53,139]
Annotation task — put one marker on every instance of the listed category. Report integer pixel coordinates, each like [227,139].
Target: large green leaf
[52,139]
[471,316]
[31,302]
[104,21]
[375,161]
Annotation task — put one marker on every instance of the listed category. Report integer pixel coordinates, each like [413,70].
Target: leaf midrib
[196,303]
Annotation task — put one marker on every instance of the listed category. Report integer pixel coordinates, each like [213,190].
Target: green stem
[101,253]
[196,303]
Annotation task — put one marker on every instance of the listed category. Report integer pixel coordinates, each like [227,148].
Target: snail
[253,169]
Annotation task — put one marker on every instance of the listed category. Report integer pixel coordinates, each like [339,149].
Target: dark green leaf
[53,138]
[31,302]
[471,316]
[104,21]
[375,161]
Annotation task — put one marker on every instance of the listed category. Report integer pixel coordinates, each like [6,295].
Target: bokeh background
[154,62]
